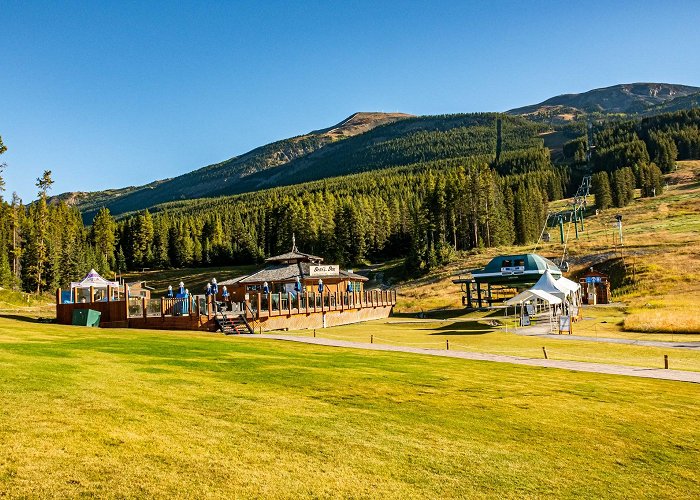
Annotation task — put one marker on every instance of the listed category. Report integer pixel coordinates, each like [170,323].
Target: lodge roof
[286,273]
[296,256]
[231,281]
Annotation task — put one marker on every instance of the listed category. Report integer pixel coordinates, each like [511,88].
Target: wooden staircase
[232,323]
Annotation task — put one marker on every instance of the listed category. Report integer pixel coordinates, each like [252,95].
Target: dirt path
[543,332]
[630,371]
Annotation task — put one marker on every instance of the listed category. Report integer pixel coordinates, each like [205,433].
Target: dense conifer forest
[423,211]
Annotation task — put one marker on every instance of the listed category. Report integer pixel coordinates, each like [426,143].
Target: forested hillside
[327,153]
[422,212]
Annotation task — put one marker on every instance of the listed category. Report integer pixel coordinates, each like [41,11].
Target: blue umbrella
[266,289]
[320,286]
[170,291]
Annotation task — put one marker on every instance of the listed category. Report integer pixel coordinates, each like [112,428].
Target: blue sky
[111,94]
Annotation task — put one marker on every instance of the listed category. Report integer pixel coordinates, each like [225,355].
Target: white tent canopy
[548,284]
[567,283]
[533,294]
[93,279]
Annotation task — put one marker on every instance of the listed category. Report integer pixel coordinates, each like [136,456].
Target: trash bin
[86,317]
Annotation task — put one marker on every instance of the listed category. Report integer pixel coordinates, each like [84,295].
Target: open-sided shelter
[537,298]
[92,287]
[503,276]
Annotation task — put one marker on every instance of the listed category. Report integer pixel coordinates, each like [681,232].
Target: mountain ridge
[373,140]
[628,98]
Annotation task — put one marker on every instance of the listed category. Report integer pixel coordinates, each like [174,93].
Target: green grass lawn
[477,336]
[134,413]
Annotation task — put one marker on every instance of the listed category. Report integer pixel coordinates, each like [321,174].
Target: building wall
[333,318]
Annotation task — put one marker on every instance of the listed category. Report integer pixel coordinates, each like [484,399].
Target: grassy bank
[140,413]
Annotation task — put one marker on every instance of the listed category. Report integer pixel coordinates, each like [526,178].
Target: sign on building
[318,271]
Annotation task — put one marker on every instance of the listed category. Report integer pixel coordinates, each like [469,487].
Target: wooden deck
[264,311]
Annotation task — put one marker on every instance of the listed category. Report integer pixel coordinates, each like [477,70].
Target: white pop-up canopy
[548,284]
[93,279]
[533,294]
[568,284]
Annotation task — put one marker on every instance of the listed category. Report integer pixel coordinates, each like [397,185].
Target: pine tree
[600,186]
[38,243]
[103,237]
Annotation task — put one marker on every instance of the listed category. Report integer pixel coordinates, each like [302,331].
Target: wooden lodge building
[294,290]
[293,272]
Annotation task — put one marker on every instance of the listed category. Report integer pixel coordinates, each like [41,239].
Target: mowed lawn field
[477,336]
[134,413]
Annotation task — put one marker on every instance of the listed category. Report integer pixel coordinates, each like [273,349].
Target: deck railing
[257,306]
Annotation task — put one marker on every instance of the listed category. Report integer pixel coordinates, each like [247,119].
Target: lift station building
[503,277]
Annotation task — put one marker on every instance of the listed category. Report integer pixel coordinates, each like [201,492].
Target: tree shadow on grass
[25,319]
[435,314]
[461,333]
[470,328]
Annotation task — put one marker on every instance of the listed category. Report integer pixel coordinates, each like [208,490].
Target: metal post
[561,228]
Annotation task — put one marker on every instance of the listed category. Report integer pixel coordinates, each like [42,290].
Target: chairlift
[546,237]
[564,266]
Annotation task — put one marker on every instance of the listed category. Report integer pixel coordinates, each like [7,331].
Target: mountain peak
[360,122]
[621,98]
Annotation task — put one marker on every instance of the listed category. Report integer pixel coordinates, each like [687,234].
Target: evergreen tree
[38,255]
[600,186]
[103,235]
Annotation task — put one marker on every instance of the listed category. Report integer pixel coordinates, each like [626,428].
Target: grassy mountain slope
[370,141]
[202,182]
[677,104]
[410,141]
[340,150]
[624,98]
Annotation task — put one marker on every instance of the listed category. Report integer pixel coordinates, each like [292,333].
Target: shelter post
[126,300]
[58,296]
[92,294]
[478,293]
